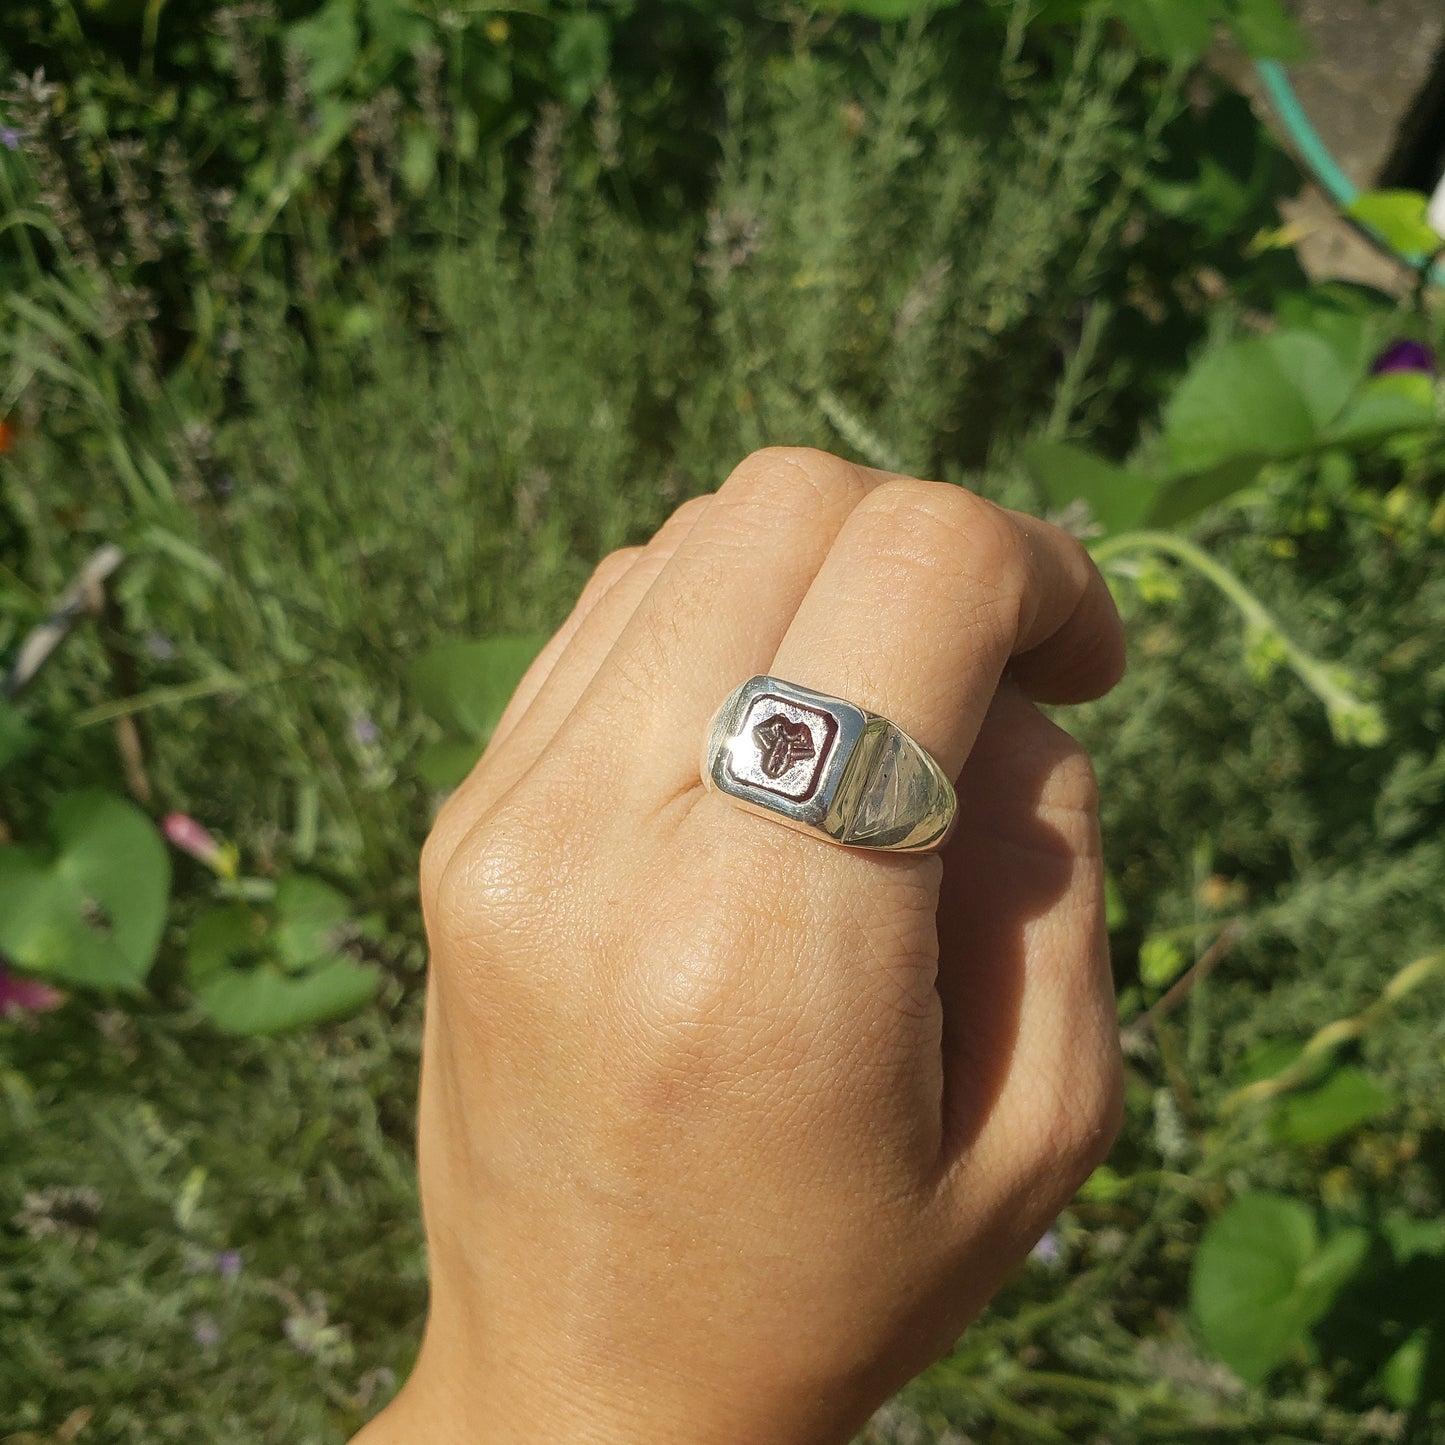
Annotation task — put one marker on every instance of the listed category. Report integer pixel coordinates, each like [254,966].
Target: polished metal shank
[828,767]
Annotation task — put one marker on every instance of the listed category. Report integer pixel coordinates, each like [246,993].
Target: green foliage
[219,1238]
[1398,218]
[464,687]
[17,737]
[90,911]
[980,246]
[267,972]
[1348,1098]
[1262,1276]
[1181,31]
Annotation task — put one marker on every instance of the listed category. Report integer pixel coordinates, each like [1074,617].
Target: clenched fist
[726,1131]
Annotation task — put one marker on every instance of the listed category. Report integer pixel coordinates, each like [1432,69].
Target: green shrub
[929,250]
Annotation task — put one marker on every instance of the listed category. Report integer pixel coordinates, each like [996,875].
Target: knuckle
[1084,1113]
[436,851]
[796,480]
[612,566]
[687,512]
[1100,1115]
[497,884]
[948,534]
[1073,783]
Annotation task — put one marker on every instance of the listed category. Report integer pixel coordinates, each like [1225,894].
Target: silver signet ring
[827,767]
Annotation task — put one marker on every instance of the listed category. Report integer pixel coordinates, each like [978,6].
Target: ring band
[827,767]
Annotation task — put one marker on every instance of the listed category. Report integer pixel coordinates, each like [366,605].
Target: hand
[726,1132]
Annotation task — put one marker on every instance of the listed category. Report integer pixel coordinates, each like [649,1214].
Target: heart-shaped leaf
[1261,1278]
[1117,499]
[1264,397]
[266,972]
[466,685]
[1386,406]
[91,913]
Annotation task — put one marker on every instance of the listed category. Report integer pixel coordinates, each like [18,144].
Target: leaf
[91,914]
[418,160]
[1348,1098]
[1261,1278]
[1161,961]
[1185,497]
[1402,1376]
[309,914]
[1117,499]
[1264,397]
[1386,406]
[17,737]
[1266,31]
[329,42]
[263,1001]
[443,765]
[580,56]
[1179,30]
[258,972]
[1399,219]
[887,11]
[1411,1238]
[395,26]
[466,685]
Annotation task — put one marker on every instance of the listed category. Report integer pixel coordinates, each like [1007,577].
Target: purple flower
[364,730]
[1405,355]
[19,995]
[228,1263]
[1047,1251]
[160,646]
[10,138]
[205,1331]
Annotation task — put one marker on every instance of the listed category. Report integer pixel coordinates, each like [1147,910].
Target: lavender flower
[1405,355]
[228,1263]
[10,138]
[205,1331]
[364,730]
[160,646]
[1047,1251]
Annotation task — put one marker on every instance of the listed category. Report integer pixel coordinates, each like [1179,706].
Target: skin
[727,1132]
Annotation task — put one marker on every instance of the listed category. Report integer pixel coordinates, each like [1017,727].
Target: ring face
[782,747]
[828,767]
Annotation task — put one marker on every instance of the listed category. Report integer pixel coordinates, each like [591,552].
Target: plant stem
[1318,676]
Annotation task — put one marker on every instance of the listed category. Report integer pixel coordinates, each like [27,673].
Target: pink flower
[19,995]
[192,839]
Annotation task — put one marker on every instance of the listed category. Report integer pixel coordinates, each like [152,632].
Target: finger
[717,610]
[595,631]
[1030,1038]
[553,682]
[927,593]
[607,572]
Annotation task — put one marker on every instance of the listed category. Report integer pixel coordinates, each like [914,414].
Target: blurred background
[340,338]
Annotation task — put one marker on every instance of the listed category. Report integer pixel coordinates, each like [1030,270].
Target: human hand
[727,1132]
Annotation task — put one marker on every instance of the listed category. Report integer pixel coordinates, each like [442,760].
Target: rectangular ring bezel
[817,808]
